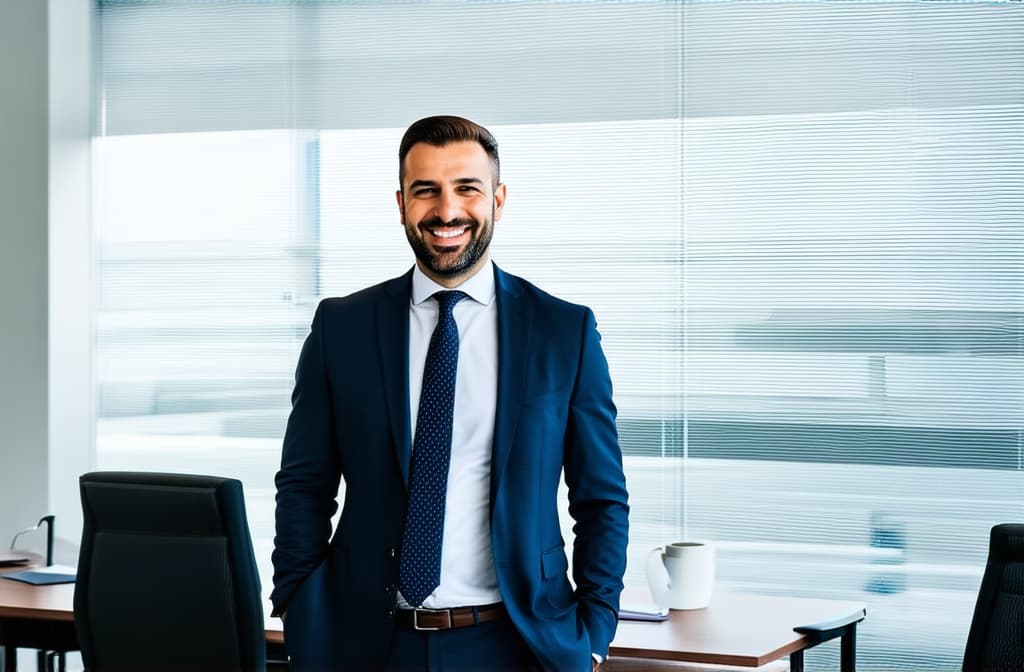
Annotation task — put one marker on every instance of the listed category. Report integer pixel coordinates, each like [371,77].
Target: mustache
[437,223]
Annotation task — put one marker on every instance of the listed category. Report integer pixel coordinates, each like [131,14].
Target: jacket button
[391,551]
[390,613]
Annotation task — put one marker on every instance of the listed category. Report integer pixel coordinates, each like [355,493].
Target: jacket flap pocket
[554,563]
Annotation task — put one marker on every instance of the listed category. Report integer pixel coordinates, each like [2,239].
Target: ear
[401,203]
[499,200]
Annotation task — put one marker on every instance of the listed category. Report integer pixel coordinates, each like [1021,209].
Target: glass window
[799,226]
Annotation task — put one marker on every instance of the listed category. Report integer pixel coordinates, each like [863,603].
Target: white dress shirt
[467,561]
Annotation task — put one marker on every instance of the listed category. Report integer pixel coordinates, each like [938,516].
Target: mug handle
[658,579]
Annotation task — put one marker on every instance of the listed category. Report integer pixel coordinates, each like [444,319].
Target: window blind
[798,223]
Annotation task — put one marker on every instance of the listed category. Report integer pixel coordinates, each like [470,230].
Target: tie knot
[447,300]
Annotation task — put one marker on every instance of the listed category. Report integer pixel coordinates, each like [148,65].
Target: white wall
[45,289]
[23,265]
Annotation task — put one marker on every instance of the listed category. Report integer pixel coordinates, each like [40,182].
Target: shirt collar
[479,286]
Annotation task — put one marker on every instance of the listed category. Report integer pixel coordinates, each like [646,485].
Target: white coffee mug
[682,574]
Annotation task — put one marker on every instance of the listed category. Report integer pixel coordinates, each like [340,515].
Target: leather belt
[447,619]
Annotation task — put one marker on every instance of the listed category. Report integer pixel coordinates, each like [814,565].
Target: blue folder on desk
[44,576]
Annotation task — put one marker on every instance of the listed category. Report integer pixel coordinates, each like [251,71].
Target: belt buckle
[422,628]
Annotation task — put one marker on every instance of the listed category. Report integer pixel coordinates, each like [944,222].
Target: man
[450,400]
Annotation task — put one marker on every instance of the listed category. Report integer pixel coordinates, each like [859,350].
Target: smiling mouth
[450,233]
[447,233]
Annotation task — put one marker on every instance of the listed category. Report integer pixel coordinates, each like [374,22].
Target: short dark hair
[443,130]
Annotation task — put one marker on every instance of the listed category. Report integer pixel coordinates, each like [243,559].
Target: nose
[448,207]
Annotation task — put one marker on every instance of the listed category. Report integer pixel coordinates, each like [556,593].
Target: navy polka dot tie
[420,563]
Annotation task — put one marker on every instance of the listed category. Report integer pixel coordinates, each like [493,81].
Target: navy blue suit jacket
[350,419]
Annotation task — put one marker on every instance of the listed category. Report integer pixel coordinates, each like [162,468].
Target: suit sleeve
[598,501]
[307,483]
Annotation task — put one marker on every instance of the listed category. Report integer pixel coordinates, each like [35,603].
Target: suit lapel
[514,317]
[393,341]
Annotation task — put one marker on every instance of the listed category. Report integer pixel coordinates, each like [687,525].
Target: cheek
[482,212]
[413,216]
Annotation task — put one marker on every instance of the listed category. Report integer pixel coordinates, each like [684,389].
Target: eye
[424,191]
[466,188]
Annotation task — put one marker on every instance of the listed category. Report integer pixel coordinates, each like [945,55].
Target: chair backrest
[995,642]
[167,578]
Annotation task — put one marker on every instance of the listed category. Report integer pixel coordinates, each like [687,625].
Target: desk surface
[21,600]
[737,629]
[51,603]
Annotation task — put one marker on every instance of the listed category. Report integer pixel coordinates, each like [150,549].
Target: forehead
[449,162]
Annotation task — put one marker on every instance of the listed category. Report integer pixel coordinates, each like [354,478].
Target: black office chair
[995,642]
[167,579]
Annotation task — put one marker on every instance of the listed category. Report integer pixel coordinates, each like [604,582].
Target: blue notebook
[44,576]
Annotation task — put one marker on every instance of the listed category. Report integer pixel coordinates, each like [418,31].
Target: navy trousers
[495,645]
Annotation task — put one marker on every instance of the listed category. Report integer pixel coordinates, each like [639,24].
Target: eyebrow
[431,183]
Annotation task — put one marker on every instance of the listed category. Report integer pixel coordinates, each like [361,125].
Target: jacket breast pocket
[547,398]
[547,410]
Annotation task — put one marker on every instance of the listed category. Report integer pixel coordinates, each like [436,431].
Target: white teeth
[449,234]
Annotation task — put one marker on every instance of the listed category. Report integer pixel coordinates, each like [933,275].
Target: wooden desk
[745,631]
[31,618]
[48,603]
[737,629]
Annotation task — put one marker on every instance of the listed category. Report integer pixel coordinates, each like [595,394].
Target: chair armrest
[836,623]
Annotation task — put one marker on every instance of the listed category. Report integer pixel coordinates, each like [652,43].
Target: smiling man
[453,201]
[451,400]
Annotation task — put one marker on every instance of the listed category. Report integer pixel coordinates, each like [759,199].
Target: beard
[439,259]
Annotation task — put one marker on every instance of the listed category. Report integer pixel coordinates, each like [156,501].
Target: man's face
[449,205]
